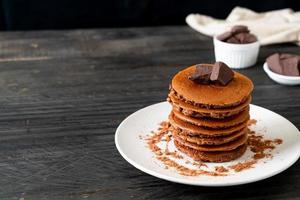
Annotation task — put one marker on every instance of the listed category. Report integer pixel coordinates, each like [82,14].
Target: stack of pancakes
[209,121]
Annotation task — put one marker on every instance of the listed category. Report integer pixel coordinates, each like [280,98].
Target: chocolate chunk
[202,74]
[273,62]
[241,37]
[238,35]
[218,73]
[286,55]
[221,73]
[290,66]
[245,38]
[285,64]
[233,40]
[239,29]
[250,38]
[224,36]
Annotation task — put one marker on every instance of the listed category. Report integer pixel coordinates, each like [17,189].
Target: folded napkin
[271,27]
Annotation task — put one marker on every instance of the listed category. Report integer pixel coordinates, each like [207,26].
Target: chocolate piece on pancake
[208,140]
[215,123]
[219,156]
[221,73]
[211,95]
[200,131]
[201,74]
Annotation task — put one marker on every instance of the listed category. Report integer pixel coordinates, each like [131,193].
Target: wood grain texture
[63,93]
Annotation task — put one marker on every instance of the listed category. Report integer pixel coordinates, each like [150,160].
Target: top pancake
[214,95]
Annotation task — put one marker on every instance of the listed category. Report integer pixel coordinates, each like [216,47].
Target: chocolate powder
[257,144]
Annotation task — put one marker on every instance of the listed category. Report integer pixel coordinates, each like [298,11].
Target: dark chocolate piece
[245,38]
[202,74]
[285,64]
[233,40]
[286,55]
[250,38]
[273,62]
[241,37]
[224,36]
[239,29]
[221,73]
[238,35]
[290,66]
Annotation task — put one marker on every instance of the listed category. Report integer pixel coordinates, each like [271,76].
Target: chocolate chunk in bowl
[284,64]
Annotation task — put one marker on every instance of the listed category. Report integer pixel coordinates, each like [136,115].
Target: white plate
[142,122]
[282,79]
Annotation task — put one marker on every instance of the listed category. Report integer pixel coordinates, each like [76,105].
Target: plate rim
[186,181]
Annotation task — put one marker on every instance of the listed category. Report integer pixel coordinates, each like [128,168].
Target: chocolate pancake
[215,123]
[208,141]
[219,156]
[197,112]
[222,147]
[211,95]
[200,131]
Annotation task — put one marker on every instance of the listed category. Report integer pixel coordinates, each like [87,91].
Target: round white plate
[272,125]
[282,79]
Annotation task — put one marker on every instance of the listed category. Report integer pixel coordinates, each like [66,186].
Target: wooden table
[63,93]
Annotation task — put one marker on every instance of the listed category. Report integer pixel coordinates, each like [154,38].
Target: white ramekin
[236,56]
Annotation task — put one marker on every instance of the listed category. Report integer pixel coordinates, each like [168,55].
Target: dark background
[68,14]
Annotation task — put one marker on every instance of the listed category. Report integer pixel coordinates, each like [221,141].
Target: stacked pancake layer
[209,122]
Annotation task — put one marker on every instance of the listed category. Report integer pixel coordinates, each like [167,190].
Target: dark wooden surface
[64,93]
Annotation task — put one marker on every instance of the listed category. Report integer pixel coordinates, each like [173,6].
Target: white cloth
[271,27]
